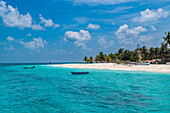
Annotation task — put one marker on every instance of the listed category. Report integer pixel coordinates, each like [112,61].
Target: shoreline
[126,67]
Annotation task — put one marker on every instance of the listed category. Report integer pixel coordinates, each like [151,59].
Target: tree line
[143,53]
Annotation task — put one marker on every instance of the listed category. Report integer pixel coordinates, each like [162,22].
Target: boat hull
[28,67]
[79,73]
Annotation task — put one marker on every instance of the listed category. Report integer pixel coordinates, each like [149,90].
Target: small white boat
[142,63]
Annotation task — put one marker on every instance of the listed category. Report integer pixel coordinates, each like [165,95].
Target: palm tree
[151,53]
[101,57]
[134,56]
[114,57]
[97,58]
[167,39]
[91,59]
[120,51]
[156,52]
[85,59]
[107,58]
[125,55]
[163,52]
[144,52]
[88,60]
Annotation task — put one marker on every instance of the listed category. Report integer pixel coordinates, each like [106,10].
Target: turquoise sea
[48,89]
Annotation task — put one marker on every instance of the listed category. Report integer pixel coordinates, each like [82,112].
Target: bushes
[118,62]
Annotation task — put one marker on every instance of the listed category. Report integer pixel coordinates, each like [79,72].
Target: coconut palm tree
[163,52]
[120,51]
[107,58]
[134,56]
[151,53]
[156,52]
[97,58]
[167,39]
[125,55]
[144,52]
[85,59]
[91,59]
[101,57]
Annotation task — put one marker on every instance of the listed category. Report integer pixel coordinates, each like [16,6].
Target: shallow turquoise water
[48,89]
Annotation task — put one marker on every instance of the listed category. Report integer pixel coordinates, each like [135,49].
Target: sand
[113,66]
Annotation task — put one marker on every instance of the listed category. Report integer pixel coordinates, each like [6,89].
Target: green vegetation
[143,53]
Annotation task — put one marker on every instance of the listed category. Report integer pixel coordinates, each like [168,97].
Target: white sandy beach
[113,66]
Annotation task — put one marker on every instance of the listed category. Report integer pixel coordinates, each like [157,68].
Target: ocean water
[48,89]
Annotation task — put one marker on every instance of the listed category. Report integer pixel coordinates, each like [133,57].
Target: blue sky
[67,30]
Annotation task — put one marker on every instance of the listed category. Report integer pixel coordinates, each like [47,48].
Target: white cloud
[126,35]
[56,25]
[11,48]
[151,15]
[93,26]
[80,44]
[98,2]
[35,44]
[29,34]
[9,38]
[79,38]
[102,42]
[153,28]
[125,32]
[48,23]
[82,20]
[145,38]
[116,10]
[12,18]
[126,41]
[37,27]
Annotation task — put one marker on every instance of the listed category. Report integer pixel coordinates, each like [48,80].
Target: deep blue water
[48,89]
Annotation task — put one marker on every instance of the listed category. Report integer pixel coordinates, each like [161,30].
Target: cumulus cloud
[80,44]
[151,15]
[106,44]
[35,44]
[125,34]
[56,25]
[146,40]
[153,28]
[11,48]
[93,26]
[126,41]
[12,17]
[99,2]
[37,27]
[79,38]
[9,38]
[48,23]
